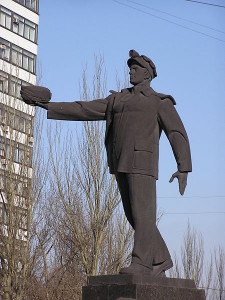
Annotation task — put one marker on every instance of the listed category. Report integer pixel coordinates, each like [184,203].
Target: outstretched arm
[78,110]
[73,111]
[173,127]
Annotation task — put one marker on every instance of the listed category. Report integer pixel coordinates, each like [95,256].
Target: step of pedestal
[140,287]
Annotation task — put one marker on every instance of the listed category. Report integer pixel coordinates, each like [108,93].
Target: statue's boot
[159,269]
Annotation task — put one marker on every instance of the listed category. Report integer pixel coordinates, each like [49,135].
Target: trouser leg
[124,189]
[138,194]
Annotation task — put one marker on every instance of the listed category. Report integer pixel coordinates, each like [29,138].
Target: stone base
[140,287]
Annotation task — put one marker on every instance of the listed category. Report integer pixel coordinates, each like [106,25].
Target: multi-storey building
[18,55]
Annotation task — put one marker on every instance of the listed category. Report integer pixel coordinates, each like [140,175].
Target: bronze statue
[135,118]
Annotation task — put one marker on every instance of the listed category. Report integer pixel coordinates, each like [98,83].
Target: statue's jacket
[134,122]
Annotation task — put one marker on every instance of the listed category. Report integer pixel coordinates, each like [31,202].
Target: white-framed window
[15,87]
[4,82]
[5,17]
[30,4]
[4,50]
[29,30]
[16,152]
[18,24]
[29,61]
[17,56]
[3,214]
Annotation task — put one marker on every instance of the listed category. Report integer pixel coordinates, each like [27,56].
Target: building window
[4,82]
[3,214]
[18,24]
[2,116]
[30,4]
[16,119]
[19,183]
[19,123]
[29,61]
[16,152]
[17,56]
[5,18]
[19,216]
[15,87]
[23,219]
[29,30]
[4,50]
[24,28]
[11,85]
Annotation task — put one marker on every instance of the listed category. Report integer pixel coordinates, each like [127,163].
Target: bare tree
[219,258]
[16,182]
[77,227]
[22,178]
[74,224]
[208,275]
[86,195]
[193,255]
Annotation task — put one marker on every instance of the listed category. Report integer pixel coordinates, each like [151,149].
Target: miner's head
[142,69]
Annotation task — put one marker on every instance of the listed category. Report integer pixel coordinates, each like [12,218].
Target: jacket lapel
[115,98]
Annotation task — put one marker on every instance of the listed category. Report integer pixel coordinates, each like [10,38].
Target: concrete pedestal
[140,287]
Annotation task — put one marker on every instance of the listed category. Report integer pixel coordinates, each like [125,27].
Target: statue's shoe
[136,269]
[159,270]
[156,271]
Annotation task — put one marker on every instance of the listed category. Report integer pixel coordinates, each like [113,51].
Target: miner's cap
[143,61]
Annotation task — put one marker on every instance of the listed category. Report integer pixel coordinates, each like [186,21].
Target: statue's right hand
[25,97]
[36,95]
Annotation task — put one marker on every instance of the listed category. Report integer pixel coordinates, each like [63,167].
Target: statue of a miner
[135,118]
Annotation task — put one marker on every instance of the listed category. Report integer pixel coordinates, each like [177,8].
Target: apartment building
[18,58]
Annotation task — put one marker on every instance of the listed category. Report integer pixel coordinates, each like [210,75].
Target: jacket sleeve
[78,110]
[173,127]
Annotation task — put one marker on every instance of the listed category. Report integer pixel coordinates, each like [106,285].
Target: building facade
[18,59]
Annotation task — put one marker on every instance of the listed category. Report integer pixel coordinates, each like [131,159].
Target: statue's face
[137,74]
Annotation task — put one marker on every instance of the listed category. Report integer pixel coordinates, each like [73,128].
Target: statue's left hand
[182,180]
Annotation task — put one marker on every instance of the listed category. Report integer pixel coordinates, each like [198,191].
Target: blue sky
[190,66]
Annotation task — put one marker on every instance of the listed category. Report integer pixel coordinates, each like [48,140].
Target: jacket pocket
[143,155]
[142,145]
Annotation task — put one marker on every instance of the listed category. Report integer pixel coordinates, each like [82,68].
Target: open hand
[182,180]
